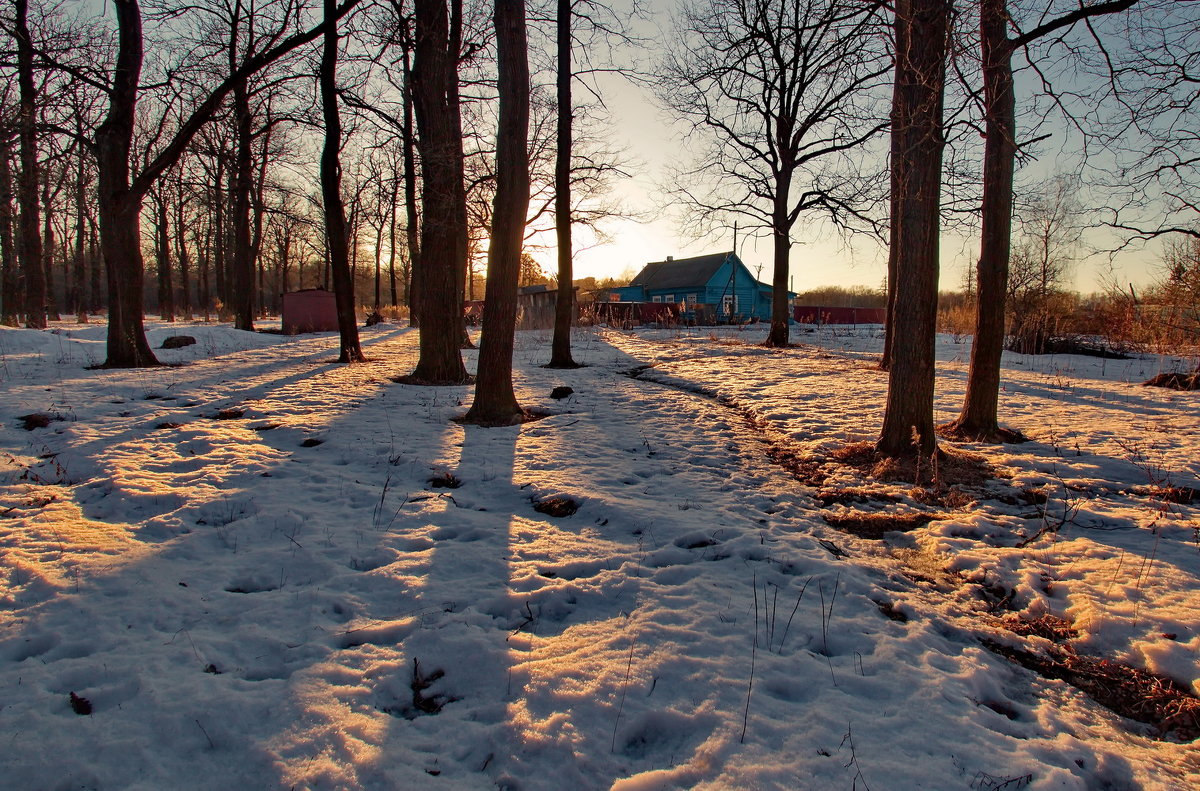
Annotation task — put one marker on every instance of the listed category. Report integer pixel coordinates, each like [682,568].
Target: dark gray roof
[680,273]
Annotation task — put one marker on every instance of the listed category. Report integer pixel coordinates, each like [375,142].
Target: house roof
[680,273]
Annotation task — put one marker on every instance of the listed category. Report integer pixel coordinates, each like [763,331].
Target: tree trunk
[242,288]
[95,266]
[29,239]
[49,194]
[412,234]
[78,299]
[917,127]
[778,337]
[181,251]
[166,290]
[119,206]
[889,324]
[564,302]
[903,43]
[9,288]
[495,403]
[260,211]
[439,306]
[978,419]
[331,192]
[392,237]
[219,237]
[462,244]
[379,265]
[204,276]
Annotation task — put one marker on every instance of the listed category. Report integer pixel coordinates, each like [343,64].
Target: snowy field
[258,569]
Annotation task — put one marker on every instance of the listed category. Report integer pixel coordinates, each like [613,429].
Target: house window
[656,298]
[693,299]
[729,304]
[670,298]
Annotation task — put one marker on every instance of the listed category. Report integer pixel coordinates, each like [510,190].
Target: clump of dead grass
[1054,629]
[1129,691]
[875,524]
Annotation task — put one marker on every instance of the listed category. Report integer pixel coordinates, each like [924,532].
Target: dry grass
[875,524]
[1175,381]
[1129,691]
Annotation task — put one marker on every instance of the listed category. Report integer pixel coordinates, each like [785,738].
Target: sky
[819,257]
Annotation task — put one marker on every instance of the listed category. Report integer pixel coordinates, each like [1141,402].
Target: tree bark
[564,302]
[781,237]
[166,290]
[462,243]
[181,250]
[50,192]
[440,309]
[259,209]
[9,289]
[335,211]
[978,419]
[918,142]
[120,206]
[495,403]
[78,299]
[393,198]
[412,234]
[29,239]
[241,293]
[902,38]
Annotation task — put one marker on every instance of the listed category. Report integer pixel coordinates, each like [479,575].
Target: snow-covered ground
[259,569]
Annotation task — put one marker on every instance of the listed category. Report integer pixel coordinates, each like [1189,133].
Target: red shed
[309,310]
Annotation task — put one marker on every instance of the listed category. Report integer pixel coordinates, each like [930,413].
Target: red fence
[814,314]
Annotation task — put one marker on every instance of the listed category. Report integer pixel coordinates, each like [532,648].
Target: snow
[285,599]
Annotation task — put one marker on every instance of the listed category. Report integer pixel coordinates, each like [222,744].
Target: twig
[624,688]
[206,736]
[788,628]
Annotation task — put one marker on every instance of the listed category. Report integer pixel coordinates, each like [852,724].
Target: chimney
[670,258]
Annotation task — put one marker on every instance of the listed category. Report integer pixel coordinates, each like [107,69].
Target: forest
[225,153]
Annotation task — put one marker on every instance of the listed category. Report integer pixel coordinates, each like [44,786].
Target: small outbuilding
[309,310]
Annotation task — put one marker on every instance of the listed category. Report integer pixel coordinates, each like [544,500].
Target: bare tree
[495,403]
[335,214]
[121,193]
[1042,258]
[784,96]
[922,28]
[978,419]
[9,289]
[601,25]
[434,71]
[560,344]
[29,239]
[1158,185]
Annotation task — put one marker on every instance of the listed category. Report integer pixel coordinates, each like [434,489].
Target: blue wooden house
[718,280]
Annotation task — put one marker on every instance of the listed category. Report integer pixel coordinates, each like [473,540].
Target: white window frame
[669,298]
[656,298]
[729,304]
